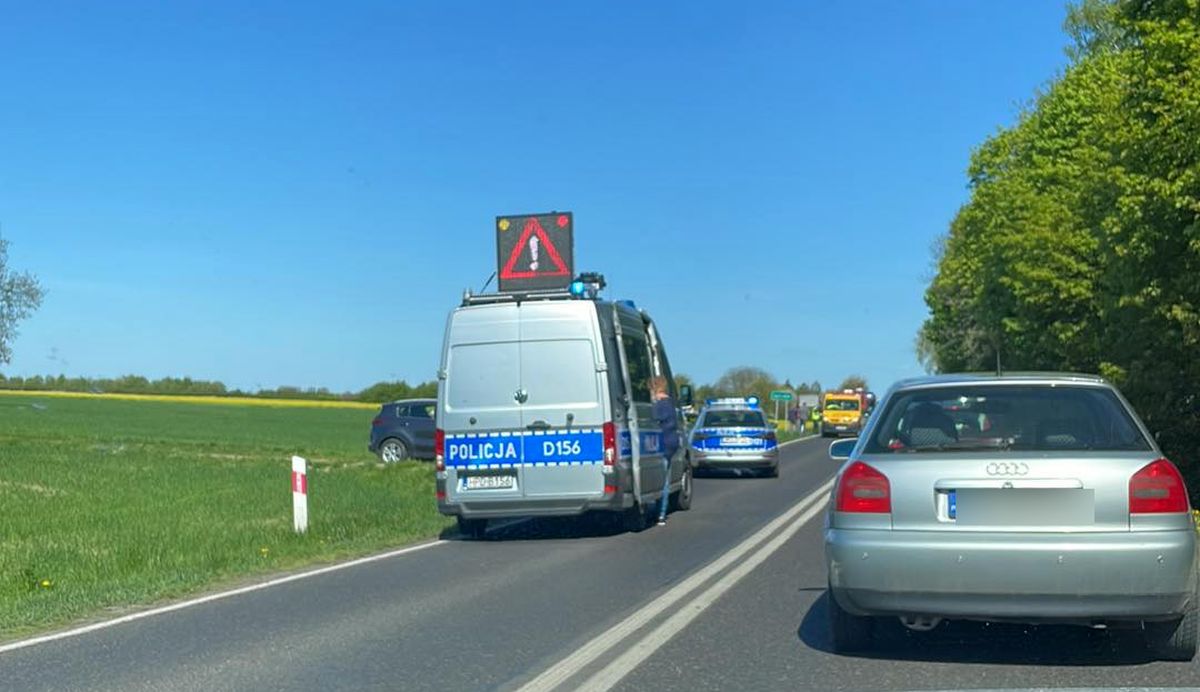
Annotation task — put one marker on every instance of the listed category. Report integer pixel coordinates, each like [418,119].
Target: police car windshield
[733,419]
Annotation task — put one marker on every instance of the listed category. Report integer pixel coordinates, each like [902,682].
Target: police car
[733,433]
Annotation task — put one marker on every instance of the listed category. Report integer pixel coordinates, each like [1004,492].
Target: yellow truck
[842,413]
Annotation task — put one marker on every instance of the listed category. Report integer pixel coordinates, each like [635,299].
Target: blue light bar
[578,288]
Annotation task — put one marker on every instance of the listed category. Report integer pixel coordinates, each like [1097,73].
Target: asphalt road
[578,602]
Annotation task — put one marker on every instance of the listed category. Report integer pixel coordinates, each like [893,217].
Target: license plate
[952,504]
[489,482]
[738,441]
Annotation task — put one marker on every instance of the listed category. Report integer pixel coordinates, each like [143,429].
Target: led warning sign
[534,251]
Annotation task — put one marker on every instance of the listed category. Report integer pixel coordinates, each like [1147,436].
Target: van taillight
[610,447]
[864,489]
[439,450]
[1157,488]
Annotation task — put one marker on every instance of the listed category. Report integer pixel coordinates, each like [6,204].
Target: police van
[544,409]
[733,433]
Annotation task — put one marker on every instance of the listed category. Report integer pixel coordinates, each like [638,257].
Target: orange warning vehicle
[842,413]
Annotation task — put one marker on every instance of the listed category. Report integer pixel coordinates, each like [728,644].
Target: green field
[108,503]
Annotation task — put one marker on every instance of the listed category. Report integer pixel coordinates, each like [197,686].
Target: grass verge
[110,502]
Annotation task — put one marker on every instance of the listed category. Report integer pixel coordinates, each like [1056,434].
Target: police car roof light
[751,401]
[578,288]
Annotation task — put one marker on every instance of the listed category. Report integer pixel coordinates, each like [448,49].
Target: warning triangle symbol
[533,268]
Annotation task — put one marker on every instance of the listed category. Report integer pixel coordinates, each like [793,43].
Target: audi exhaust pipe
[920,623]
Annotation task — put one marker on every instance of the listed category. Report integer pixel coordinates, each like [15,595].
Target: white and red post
[299,494]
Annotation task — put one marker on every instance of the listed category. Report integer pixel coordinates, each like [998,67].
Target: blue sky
[296,193]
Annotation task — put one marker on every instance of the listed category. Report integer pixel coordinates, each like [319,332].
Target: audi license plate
[738,441]
[489,482]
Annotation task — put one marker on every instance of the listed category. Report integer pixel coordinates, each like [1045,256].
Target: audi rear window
[1040,418]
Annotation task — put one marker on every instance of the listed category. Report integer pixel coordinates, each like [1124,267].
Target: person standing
[667,417]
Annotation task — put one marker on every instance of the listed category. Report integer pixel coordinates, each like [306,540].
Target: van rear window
[559,372]
[482,375]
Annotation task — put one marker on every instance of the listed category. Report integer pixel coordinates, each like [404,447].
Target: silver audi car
[1029,498]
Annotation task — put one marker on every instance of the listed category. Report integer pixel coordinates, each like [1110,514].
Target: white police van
[544,409]
[733,433]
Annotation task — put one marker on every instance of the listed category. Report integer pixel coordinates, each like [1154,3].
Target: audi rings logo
[1007,468]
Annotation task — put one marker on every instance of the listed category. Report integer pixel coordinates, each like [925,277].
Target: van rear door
[481,415]
[562,378]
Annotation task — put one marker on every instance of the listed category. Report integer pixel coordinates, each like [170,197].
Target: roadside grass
[107,503]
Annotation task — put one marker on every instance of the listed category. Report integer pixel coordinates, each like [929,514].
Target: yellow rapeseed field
[220,400]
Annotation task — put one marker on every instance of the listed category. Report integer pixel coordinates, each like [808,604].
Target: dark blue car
[404,430]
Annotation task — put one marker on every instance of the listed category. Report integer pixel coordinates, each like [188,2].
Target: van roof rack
[488,298]
[586,286]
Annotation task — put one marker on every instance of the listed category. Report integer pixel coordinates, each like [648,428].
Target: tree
[1079,247]
[745,381]
[20,296]
[854,382]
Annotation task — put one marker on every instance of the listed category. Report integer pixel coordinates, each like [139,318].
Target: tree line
[186,386]
[1079,247]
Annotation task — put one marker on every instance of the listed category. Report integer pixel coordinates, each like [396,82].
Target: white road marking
[33,641]
[798,439]
[559,673]
[634,655]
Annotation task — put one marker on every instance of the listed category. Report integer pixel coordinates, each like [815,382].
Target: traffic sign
[534,251]
[781,395]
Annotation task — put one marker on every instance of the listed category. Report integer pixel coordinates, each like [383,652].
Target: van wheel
[1175,640]
[472,528]
[634,519]
[682,500]
[848,633]
[392,450]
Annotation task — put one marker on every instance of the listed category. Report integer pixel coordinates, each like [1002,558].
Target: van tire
[635,519]
[1175,640]
[681,501]
[472,528]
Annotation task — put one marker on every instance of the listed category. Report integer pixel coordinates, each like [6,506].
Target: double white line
[751,552]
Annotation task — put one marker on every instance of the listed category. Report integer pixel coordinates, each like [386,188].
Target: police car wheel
[392,450]
[773,472]
[472,528]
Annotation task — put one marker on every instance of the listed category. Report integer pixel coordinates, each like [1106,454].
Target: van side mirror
[840,450]
[685,395]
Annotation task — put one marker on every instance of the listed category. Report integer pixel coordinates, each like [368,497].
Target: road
[730,595]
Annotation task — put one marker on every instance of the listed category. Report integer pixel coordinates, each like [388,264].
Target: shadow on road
[977,642]
[729,473]
[545,528]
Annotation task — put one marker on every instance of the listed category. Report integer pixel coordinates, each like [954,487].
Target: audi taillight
[377,421]
[610,447]
[439,450]
[864,489]
[1157,488]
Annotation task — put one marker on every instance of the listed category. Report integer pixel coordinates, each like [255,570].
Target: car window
[420,410]
[732,419]
[992,417]
[841,405]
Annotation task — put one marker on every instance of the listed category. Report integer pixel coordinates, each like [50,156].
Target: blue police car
[733,433]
